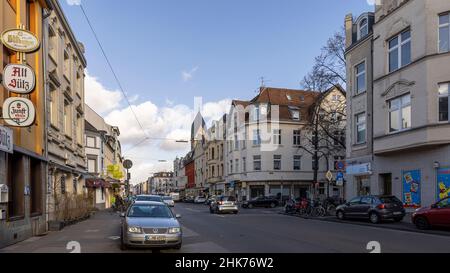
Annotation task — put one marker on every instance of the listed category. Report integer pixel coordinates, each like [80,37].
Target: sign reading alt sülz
[19,78]
[19,112]
[20,40]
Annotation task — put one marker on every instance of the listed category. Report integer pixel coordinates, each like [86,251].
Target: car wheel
[178,247]
[250,206]
[340,215]
[272,205]
[422,223]
[374,218]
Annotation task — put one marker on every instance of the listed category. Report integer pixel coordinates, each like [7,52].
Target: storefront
[358,180]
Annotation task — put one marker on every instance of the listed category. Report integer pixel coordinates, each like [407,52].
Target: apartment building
[267,145]
[179,174]
[411,130]
[162,183]
[215,157]
[360,159]
[23,164]
[64,74]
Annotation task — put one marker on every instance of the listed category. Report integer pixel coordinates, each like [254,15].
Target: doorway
[386,184]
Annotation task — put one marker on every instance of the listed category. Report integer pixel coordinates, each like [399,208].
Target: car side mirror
[122,214]
[178,216]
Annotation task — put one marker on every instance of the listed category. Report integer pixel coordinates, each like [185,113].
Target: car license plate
[397,213]
[155,238]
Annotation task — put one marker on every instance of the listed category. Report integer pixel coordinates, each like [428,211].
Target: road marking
[114,238]
[92,230]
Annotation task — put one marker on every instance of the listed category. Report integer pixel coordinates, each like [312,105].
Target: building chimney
[348,30]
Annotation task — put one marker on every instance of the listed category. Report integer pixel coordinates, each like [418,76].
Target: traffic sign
[329,175]
[340,165]
[127,164]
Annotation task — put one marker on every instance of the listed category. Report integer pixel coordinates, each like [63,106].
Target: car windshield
[148,198]
[390,200]
[167,198]
[150,211]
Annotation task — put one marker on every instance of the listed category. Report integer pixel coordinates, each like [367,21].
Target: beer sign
[19,78]
[19,112]
[20,40]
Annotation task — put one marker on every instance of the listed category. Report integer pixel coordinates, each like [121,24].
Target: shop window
[16,184]
[36,186]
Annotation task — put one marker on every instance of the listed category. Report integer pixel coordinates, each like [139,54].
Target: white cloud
[73,2]
[99,97]
[188,75]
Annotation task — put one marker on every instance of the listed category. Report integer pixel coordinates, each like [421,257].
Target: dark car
[436,215]
[263,201]
[374,208]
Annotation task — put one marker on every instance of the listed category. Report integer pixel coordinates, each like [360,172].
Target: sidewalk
[405,225]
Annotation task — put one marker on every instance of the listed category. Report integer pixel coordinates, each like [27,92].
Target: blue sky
[168,51]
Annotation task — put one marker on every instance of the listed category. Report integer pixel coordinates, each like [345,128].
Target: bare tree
[329,67]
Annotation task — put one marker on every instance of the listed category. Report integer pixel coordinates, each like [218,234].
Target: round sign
[127,164]
[20,40]
[19,78]
[340,165]
[19,112]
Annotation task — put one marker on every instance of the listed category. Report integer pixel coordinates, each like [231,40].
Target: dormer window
[363,28]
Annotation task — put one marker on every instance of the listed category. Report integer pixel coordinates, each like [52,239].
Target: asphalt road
[250,231]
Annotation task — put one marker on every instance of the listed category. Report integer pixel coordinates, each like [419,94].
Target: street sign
[127,164]
[340,165]
[19,112]
[340,179]
[6,140]
[20,40]
[329,175]
[19,78]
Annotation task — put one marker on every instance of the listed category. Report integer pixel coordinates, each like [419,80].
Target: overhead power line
[112,70]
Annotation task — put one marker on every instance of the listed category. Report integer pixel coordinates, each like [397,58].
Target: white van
[175,196]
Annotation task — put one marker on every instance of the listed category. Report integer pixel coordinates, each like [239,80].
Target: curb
[411,229]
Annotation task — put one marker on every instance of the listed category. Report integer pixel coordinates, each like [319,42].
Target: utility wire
[112,70]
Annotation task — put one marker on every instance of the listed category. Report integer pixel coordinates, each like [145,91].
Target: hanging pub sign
[19,78]
[20,40]
[19,112]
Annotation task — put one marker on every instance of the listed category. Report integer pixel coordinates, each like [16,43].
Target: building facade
[267,145]
[23,171]
[360,159]
[411,130]
[215,164]
[64,71]
[162,183]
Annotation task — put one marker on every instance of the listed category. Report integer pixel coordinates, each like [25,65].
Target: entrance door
[386,184]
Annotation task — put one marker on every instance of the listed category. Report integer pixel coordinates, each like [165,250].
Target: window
[75,185]
[256,113]
[295,113]
[257,163]
[231,166]
[66,65]
[297,162]
[360,128]
[53,106]
[256,137]
[400,113]
[53,44]
[297,137]
[92,165]
[360,77]
[363,28]
[277,162]
[444,33]
[90,142]
[236,143]
[244,142]
[277,137]
[67,127]
[444,105]
[400,51]
[79,127]
[236,167]
[244,164]
[288,97]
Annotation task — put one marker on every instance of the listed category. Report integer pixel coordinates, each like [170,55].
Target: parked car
[147,197]
[374,208]
[151,225]
[175,196]
[437,215]
[200,200]
[169,201]
[210,199]
[188,199]
[263,201]
[224,204]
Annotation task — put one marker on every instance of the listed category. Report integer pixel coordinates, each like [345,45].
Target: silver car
[169,201]
[152,225]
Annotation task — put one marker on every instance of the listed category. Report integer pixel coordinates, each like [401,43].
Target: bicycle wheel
[331,210]
[321,212]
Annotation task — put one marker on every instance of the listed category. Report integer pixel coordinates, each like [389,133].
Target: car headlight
[174,230]
[134,230]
